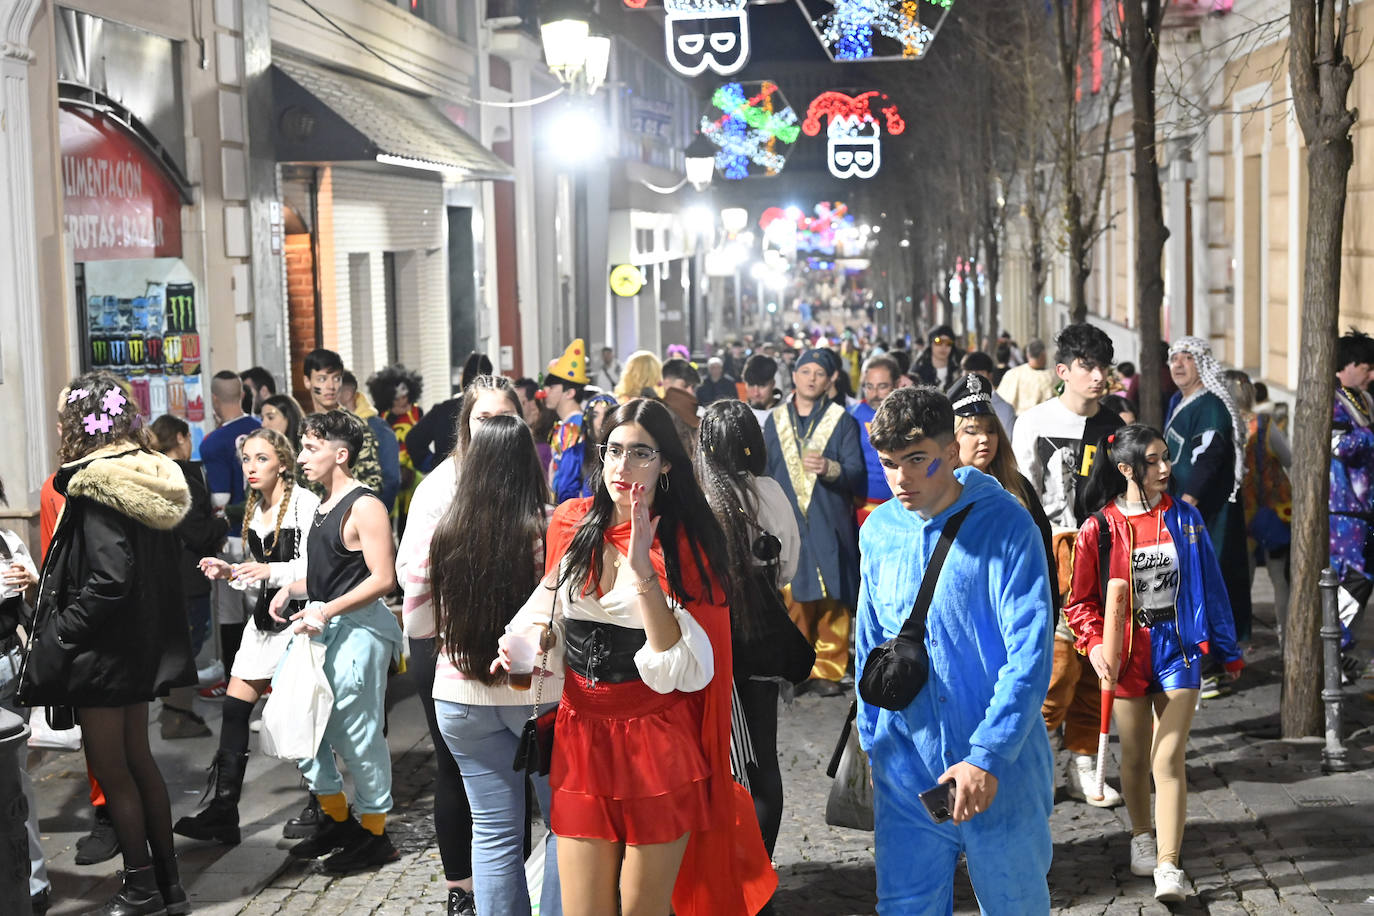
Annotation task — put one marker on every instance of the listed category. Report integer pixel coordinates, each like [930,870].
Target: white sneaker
[1171,884]
[1082,783]
[1143,855]
[211,674]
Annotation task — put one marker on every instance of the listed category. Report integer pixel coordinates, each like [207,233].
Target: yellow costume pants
[827,625]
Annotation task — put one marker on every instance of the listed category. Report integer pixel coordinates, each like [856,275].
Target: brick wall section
[300,299]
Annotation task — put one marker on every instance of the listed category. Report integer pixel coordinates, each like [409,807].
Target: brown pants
[1074,699]
[826,623]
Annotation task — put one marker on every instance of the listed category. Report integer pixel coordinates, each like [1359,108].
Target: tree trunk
[1328,169]
[1321,75]
[1140,21]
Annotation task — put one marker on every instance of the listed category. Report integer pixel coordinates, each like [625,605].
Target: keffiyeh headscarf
[1209,371]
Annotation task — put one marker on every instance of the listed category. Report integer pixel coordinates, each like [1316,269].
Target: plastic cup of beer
[523,649]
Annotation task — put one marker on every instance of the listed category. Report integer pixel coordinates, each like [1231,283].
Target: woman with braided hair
[275,522]
[1206,439]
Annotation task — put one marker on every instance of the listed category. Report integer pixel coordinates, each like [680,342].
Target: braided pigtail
[254,497]
[288,485]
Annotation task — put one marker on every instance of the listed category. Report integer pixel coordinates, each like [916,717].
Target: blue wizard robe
[828,566]
[988,634]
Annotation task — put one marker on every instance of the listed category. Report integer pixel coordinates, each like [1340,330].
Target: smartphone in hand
[939,801]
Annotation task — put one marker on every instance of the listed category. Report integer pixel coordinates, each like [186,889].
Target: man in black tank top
[350,567]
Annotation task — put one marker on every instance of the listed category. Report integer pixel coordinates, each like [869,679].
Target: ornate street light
[700,158]
[574,49]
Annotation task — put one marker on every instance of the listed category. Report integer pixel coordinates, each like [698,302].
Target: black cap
[971,396]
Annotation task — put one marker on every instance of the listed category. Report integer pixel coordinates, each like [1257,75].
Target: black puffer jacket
[110,627]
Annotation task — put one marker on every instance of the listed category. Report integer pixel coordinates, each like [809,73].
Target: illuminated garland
[853,148]
[749,127]
[847,31]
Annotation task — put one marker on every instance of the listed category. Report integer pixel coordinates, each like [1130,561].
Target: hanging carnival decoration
[853,147]
[753,128]
[860,30]
[701,35]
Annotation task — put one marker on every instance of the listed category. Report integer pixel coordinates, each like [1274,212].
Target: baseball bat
[1114,617]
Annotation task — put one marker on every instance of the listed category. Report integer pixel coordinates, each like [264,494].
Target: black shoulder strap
[1104,552]
[915,626]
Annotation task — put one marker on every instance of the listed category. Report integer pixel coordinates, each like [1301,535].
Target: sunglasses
[943,341]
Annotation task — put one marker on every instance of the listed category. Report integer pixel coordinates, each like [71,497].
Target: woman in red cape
[626,772]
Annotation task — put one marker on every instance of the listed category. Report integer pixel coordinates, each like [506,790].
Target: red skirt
[628,764]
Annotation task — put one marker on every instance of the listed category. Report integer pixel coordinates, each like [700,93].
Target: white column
[21,370]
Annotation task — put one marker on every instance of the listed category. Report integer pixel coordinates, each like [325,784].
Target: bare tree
[1140,24]
[1081,156]
[1321,73]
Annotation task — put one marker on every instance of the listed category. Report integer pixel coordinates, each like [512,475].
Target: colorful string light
[754,128]
[847,30]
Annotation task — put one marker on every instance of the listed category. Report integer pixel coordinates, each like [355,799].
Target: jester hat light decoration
[853,147]
[858,30]
[753,128]
[701,35]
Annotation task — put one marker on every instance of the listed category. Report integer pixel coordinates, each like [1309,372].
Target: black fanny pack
[896,671]
[602,652]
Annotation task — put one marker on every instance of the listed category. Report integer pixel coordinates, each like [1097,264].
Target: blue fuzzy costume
[989,637]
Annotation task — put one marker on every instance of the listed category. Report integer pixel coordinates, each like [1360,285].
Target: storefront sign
[626,280]
[119,203]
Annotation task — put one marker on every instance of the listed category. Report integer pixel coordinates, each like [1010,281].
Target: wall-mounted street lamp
[700,157]
[574,49]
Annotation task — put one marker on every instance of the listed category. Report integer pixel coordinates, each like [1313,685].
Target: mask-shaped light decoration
[857,30]
[753,127]
[701,35]
[853,134]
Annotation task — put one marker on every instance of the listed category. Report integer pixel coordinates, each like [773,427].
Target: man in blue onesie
[977,720]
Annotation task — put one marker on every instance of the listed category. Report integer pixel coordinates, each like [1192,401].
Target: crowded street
[1272,834]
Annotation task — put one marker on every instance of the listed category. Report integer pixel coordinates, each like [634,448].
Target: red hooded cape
[725,870]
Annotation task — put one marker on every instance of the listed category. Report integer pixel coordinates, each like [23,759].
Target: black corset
[602,651]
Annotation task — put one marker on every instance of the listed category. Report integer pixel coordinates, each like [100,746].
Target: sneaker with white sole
[1082,783]
[1171,884]
[1143,855]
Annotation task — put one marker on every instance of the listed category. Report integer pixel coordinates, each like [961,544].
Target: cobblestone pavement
[1267,832]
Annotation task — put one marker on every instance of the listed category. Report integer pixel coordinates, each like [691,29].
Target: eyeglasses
[639,456]
[943,341]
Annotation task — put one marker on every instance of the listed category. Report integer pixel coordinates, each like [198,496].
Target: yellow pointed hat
[572,365]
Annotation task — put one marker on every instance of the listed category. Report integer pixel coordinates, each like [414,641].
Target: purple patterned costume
[1352,501]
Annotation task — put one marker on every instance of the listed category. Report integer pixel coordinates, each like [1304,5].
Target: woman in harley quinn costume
[644,805]
[1178,609]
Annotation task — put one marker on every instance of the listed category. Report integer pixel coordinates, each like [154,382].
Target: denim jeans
[9,685]
[483,740]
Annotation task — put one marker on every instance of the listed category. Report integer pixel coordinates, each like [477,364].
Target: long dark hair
[288,408]
[481,561]
[1127,446]
[730,456]
[682,510]
[474,389]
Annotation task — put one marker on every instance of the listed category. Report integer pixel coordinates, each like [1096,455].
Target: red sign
[120,203]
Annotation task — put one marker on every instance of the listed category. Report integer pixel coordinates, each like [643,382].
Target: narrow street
[1267,832]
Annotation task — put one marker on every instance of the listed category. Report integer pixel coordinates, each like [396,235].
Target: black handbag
[534,752]
[896,671]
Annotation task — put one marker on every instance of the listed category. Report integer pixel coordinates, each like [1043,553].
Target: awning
[326,116]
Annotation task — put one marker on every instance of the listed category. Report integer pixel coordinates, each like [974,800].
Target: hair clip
[746,450]
[1111,440]
[77,394]
[114,402]
[97,425]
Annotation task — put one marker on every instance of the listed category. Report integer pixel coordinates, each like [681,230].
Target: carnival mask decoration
[854,132]
[701,35]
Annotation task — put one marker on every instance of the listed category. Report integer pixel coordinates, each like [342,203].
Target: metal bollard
[14,811]
[1333,754]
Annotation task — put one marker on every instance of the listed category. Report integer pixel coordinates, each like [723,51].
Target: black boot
[306,824]
[138,897]
[364,852]
[174,896]
[219,821]
[101,843]
[336,834]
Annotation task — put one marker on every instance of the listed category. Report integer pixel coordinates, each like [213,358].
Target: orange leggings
[97,794]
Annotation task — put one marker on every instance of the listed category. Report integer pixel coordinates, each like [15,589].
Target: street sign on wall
[118,200]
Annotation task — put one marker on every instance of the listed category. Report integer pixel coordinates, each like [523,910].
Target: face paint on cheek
[934,466]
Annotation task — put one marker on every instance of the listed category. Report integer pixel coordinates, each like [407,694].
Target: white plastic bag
[296,713]
[42,735]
